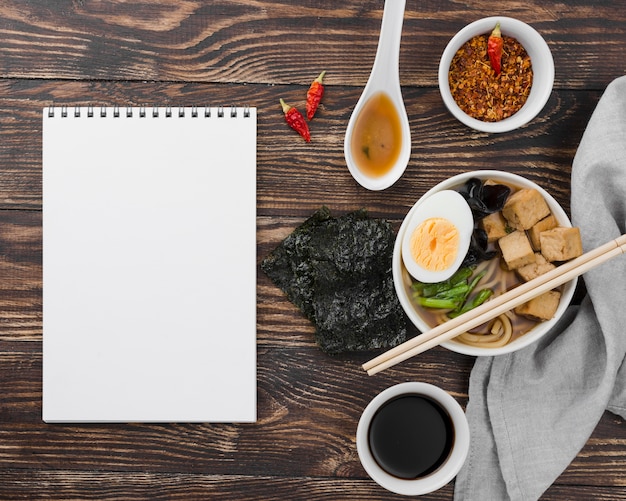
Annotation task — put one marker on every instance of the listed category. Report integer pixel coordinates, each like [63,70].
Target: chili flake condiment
[477,89]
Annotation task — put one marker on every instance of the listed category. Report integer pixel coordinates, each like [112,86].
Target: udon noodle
[499,334]
[500,331]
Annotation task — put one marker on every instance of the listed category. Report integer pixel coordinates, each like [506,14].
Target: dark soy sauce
[410,436]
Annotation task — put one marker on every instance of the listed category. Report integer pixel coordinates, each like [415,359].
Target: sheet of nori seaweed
[338,272]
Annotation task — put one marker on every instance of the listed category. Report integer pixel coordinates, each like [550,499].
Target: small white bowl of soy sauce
[413,438]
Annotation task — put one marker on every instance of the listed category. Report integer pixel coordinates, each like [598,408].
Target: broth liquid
[377,137]
[410,436]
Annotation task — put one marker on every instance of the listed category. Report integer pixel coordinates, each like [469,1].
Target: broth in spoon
[377,136]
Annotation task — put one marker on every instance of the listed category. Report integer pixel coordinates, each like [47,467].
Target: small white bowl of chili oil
[490,102]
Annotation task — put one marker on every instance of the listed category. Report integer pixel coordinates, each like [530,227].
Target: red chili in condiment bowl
[530,82]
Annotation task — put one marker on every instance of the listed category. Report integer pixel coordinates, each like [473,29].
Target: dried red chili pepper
[494,49]
[295,120]
[314,95]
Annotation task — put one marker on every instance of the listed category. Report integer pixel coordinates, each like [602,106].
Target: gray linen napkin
[532,411]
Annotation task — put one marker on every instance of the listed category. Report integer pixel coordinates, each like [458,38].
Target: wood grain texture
[277,42]
[194,52]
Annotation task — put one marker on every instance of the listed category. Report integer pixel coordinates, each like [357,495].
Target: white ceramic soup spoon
[384,80]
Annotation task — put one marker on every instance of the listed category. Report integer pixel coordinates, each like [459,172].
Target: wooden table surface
[194,52]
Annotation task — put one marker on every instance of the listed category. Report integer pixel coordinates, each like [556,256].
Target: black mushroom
[484,199]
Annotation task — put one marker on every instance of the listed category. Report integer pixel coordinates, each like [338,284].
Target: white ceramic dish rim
[543,71]
[398,277]
[444,473]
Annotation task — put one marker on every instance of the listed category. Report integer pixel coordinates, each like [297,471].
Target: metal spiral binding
[130,111]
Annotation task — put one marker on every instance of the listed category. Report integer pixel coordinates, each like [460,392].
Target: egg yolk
[435,244]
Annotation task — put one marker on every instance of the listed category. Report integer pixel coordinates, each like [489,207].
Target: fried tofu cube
[525,208]
[516,250]
[533,270]
[541,307]
[561,244]
[495,226]
[547,223]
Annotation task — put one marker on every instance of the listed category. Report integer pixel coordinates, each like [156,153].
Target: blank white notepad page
[149,265]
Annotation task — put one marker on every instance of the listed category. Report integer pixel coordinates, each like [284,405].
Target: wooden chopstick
[497,306]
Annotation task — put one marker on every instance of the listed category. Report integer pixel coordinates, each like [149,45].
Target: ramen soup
[498,277]
[500,280]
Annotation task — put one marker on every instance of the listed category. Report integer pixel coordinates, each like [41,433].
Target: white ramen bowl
[402,279]
[541,60]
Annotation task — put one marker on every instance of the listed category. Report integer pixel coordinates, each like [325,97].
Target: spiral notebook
[149,264]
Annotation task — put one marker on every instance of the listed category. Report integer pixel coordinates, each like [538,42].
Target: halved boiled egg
[437,236]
